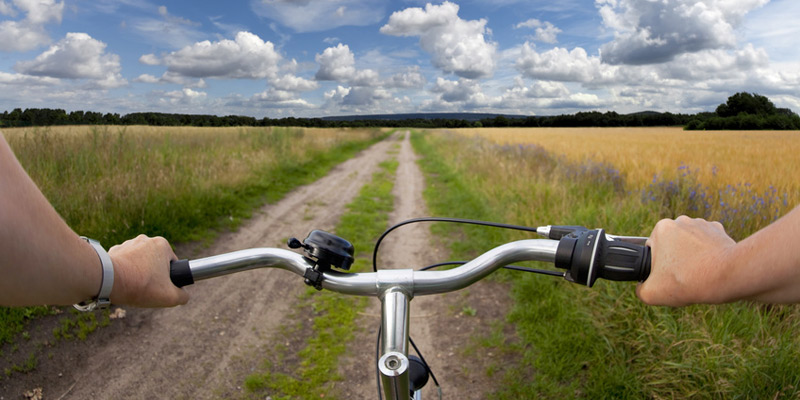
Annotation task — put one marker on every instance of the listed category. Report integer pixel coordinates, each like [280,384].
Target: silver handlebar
[376,283]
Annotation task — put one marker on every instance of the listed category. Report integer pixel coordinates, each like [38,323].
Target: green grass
[14,319]
[334,315]
[602,342]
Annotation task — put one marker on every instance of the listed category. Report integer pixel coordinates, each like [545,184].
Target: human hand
[141,274]
[689,260]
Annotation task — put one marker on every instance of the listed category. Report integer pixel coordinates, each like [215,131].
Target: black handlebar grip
[180,274]
[625,261]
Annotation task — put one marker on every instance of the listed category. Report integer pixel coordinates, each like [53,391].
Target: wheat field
[761,159]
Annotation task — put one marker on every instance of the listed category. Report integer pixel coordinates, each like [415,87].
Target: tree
[746,103]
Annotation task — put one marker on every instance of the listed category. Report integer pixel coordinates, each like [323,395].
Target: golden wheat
[716,158]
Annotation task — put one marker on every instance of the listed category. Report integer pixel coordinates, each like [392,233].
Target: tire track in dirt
[204,349]
[437,327]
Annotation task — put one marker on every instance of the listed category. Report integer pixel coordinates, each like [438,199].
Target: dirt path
[438,327]
[196,351]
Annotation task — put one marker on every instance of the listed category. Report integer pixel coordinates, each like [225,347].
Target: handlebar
[586,255]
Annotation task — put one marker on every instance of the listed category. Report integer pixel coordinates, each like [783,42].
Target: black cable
[438,219]
[511,267]
[535,270]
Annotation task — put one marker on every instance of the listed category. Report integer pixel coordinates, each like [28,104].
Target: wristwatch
[102,300]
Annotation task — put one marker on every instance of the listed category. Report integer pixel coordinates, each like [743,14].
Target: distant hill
[472,117]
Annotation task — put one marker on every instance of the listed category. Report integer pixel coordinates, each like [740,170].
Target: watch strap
[103,298]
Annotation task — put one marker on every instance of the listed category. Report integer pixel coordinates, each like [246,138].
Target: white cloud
[273,98]
[411,78]
[147,78]
[316,16]
[291,83]
[183,97]
[460,94]
[77,56]
[26,80]
[21,36]
[28,33]
[171,78]
[246,57]
[455,91]
[40,12]
[545,32]
[149,59]
[648,32]
[558,64]
[365,96]
[458,46]
[338,64]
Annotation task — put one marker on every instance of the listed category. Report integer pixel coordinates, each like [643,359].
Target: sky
[315,58]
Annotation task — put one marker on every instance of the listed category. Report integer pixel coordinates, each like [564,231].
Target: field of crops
[603,342]
[761,158]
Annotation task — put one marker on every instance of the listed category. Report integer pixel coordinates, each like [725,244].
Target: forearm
[41,259]
[766,266]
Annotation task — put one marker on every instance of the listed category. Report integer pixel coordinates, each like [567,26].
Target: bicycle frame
[395,289]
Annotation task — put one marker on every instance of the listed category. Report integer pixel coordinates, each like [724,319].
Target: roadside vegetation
[602,342]
[113,183]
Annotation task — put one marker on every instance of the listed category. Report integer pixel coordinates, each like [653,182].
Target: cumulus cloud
[559,64]
[411,78]
[455,91]
[77,56]
[338,64]
[291,83]
[40,12]
[171,78]
[28,33]
[245,57]
[456,45]
[648,32]
[184,95]
[544,32]
[316,16]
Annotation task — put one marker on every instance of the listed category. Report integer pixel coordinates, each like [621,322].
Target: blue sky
[308,58]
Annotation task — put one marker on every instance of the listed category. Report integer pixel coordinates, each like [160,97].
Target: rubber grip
[625,262]
[180,274]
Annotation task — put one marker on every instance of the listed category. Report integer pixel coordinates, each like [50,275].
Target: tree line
[746,111]
[741,111]
[48,117]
